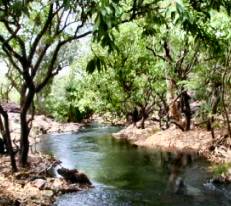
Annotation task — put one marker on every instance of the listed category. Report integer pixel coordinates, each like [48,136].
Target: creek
[124,175]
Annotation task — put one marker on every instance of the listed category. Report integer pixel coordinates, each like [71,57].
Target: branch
[138,10]
[13,82]
[10,58]
[41,33]
[167,51]
[181,59]
[157,55]
[6,46]
[50,73]
[39,60]
[15,36]
[193,61]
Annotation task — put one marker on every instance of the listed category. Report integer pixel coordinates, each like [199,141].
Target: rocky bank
[34,185]
[41,125]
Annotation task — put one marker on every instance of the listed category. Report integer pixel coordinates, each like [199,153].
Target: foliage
[146,55]
[66,101]
[221,169]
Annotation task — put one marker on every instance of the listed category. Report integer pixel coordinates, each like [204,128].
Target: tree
[32,35]
[132,82]
[191,18]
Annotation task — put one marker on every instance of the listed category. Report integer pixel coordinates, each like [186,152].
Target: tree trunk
[186,109]
[25,129]
[174,112]
[24,142]
[144,115]
[225,111]
[215,99]
[143,123]
[7,139]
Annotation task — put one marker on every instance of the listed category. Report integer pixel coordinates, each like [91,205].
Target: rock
[57,185]
[48,193]
[74,176]
[39,183]
[11,107]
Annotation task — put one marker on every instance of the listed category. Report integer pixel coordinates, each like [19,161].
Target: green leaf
[179,8]
[17,8]
[91,66]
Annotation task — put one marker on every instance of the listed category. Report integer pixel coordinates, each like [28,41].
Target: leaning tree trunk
[7,139]
[25,129]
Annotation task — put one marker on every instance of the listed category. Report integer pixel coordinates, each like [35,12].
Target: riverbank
[41,125]
[197,140]
[35,185]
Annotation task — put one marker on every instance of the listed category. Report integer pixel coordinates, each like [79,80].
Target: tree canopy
[140,59]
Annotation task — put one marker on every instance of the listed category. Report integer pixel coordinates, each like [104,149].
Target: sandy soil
[198,140]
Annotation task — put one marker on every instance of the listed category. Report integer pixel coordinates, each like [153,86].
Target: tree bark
[24,142]
[25,129]
[186,109]
[7,139]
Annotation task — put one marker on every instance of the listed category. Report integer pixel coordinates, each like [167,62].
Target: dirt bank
[198,140]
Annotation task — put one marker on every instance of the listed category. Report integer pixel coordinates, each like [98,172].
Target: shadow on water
[124,175]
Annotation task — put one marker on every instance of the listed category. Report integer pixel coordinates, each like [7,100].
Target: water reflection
[124,175]
[176,163]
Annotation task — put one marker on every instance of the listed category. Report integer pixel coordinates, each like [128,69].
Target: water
[127,176]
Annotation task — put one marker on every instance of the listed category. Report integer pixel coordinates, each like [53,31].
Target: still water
[127,176]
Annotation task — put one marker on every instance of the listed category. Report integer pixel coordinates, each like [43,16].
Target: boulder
[74,176]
